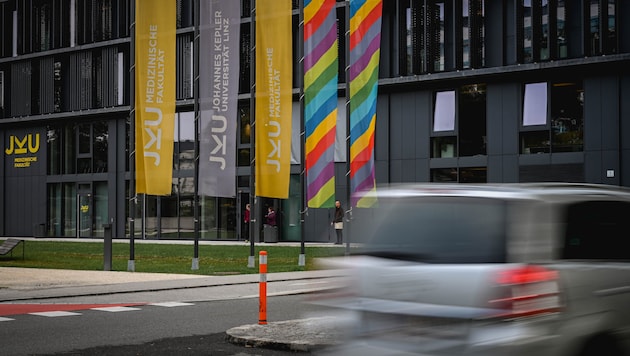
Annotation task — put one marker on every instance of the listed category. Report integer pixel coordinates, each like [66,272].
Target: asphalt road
[192,329]
[212,344]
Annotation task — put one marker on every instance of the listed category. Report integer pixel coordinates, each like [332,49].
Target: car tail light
[530,290]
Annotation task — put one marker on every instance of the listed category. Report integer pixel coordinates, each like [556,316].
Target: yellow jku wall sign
[155,95]
[22,149]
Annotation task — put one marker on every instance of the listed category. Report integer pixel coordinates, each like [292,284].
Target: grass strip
[165,258]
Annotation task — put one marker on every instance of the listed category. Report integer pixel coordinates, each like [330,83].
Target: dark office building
[468,91]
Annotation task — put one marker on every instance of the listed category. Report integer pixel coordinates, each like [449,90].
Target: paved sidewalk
[19,285]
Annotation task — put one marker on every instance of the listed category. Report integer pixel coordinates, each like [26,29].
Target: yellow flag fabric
[274,71]
[155,95]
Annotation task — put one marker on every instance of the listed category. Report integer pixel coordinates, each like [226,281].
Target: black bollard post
[107,247]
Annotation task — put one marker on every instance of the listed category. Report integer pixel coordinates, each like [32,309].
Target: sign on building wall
[22,149]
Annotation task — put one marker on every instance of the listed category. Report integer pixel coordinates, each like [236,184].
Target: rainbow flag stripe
[365,49]
[320,100]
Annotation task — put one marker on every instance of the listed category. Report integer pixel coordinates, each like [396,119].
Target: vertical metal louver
[80,81]
[46,85]
[21,88]
[184,67]
[105,70]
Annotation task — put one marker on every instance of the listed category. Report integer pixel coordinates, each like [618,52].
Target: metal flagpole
[131,266]
[348,163]
[195,260]
[303,213]
[251,261]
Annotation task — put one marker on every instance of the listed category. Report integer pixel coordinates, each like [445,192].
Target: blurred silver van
[488,269]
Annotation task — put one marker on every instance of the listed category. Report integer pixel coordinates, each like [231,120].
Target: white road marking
[116,309]
[171,304]
[53,314]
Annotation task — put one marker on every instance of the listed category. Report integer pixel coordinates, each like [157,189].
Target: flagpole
[131,266]
[251,261]
[195,260]
[304,212]
[348,158]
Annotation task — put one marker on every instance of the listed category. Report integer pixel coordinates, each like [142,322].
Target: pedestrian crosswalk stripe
[52,314]
[171,304]
[116,309]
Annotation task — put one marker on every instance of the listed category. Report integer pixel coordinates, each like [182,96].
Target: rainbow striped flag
[365,49]
[321,65]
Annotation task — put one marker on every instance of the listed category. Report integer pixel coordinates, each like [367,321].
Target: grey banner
[219,32]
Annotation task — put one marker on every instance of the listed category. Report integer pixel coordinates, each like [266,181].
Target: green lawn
[164,258]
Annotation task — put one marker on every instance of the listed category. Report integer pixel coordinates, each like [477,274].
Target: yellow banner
[274,72]
[155,95]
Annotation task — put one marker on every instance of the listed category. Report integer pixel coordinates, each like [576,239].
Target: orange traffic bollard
[262,309]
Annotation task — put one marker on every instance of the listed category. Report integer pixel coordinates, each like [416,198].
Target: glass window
[535,142]
[444,175]
[184,149]
[544,37]
[602,26]
[84,139]
[611,25]
[53,150]
[69,210]
[444,115]
[528,35]
[245,57]
[245,127]
[207,217]
[471,120]
[473,31]
[444,146]
[409,34]
[473,175]
[186,207]
[595,35]
[1,94]
[565,131]
[561,36]
[101,202]
[535,104]
[185,10]
[103,20]
[69,155]
[246,8]
[567,117]
[84,149]
[100,147]
[55,210]
[421,36]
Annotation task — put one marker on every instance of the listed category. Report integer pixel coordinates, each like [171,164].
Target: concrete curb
[300,335]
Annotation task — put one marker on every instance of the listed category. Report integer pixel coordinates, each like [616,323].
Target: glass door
[84,218]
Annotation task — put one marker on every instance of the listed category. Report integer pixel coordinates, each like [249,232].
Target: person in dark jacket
[338,222]
[271,217]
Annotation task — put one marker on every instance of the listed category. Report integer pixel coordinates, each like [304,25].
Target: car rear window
[433,230]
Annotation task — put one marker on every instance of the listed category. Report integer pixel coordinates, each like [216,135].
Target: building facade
[469,91]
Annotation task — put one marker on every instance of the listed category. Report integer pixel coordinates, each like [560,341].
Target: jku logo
[19,145]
